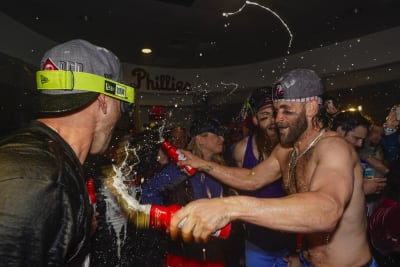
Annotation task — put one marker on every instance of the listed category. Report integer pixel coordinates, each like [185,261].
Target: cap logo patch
[109,87]
[49,65]
[43,79]
[115,89]
[279,91]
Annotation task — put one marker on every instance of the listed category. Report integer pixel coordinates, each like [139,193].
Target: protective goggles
[71,80]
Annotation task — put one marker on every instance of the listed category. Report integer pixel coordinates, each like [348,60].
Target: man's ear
[254,120]
[101,99]
[312,108]
[340,130]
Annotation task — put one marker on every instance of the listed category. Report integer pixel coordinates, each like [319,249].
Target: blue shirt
[204,186]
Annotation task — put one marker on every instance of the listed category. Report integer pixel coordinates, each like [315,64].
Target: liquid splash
[235,87]
[161,131]
[121,175]
[227,14]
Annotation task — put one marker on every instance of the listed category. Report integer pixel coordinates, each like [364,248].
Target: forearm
[300,213]
[240,178]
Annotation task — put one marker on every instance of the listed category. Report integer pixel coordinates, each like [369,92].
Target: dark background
[18,89]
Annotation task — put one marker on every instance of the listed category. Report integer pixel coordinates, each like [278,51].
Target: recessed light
[146,50]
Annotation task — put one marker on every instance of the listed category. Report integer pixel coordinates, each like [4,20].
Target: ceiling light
[146,50]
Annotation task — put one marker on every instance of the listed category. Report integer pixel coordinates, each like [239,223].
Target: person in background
[390,140]
[331,108]
[384,221]
[372,156]
[206,142]
[383,229]
[264,247]
[321,173]
[176,136]
[372,152]
[46,218]
[151,246]
[354,127]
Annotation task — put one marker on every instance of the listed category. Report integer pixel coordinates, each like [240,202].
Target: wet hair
[349,120]
[326,97]
[321,120]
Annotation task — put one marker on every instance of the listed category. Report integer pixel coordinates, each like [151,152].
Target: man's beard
[295,130]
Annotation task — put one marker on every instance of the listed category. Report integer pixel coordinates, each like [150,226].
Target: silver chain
[294,158]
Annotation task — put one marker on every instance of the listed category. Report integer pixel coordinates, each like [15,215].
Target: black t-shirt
[45,213]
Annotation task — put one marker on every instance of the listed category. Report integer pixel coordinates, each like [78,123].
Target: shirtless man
[320,170]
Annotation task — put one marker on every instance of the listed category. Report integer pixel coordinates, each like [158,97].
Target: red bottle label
[176,155]
[160,218]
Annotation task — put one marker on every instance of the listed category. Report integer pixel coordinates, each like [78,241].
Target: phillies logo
[49,65]
[279,91]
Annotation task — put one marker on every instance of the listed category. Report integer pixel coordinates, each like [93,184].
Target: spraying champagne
[149,216]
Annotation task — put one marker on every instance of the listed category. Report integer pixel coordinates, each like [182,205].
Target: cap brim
[61,104]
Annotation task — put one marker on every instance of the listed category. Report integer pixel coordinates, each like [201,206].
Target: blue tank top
[267,239]
[249,161]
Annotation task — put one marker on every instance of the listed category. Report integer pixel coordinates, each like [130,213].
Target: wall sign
[164,82]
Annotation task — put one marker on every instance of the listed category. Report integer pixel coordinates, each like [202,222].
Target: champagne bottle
[159,217]
[147,216]
[176,155]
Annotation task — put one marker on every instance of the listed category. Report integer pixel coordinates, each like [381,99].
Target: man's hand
[391,121]
[198,219]
[374,185]
[193,161]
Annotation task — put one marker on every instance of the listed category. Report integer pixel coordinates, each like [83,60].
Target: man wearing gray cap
[321,173]
[46,217]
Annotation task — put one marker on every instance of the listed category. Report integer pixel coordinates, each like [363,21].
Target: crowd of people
[306,185]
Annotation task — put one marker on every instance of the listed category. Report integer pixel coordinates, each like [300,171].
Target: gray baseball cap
[298,85]
[78,56]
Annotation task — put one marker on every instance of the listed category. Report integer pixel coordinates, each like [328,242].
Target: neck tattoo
[293,158]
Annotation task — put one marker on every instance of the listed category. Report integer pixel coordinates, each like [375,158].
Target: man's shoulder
[243,141]
[333,144]
[332,137]
[241,145]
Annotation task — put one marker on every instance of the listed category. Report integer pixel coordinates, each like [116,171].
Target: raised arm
[264,173]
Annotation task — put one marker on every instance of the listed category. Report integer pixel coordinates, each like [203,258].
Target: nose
[278,117]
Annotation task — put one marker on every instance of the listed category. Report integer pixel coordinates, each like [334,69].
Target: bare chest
[297,177]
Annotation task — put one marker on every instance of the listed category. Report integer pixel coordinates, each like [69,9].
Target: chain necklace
[294,158]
